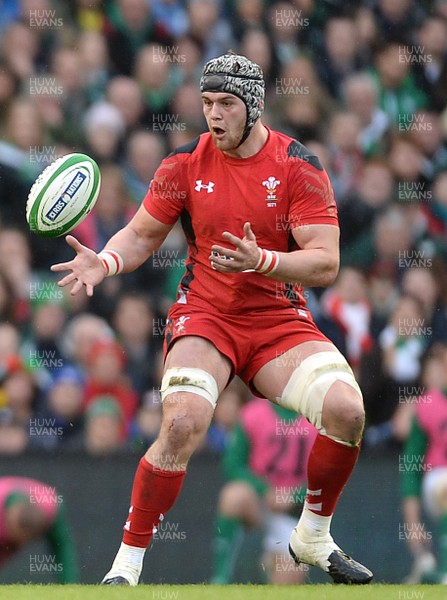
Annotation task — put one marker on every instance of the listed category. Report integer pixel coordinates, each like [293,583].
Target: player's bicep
[325,237]
[149,228]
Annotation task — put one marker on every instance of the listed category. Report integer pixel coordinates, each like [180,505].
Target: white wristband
[268,261]
[112,261]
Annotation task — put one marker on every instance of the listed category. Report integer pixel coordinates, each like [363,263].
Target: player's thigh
[313,378]
[272,378]
[186,410]
[197,352]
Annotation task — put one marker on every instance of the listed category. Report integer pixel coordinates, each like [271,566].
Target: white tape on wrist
[268,261]
[112,261]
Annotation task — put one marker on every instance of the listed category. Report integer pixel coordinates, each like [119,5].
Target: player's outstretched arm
[133,245]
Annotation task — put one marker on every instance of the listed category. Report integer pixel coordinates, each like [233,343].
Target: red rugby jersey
[281,187]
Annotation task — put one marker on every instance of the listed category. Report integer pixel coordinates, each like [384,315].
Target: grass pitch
[228,592]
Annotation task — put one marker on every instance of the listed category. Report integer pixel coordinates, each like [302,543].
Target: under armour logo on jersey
[209,187]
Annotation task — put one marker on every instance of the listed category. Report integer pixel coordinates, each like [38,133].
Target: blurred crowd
[362,83]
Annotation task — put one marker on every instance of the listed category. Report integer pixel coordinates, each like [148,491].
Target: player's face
[225,115]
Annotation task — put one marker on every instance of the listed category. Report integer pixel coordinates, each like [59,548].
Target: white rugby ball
[63,195]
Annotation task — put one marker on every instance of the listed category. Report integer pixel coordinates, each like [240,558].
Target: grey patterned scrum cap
[240,76]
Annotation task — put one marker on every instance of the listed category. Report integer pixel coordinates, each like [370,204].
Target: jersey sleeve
[236,461]
[416,445]
[167,192]
[312,199]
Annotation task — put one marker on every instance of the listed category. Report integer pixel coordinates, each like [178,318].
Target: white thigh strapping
[310,382]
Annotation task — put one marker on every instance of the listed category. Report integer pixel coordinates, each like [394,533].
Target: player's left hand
[245,257]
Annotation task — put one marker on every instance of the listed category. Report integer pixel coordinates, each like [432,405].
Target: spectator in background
[8,87]
[209,28]
[347,304]
[16,267]
[24,134]
[420,282]
[13,436]
[383,293]
[407,164]
[130,25]
[185,115]
[61,412]
[95,61]
[81,333]
[7,308]
[360,96]
[144,152]
[399,97]
[255,45]
[247,15]
[106,377]
[133,321]
[125,94]
[146,425]
[367,33]
[172,15]
[43,347]
[68,74]
[284,32]
[395,366]
[188,54]
[398,18]
[104,427]
[430,68]
[112,209]
[157,79]
[20,394]
[371,196]
[346,154]
[9,345]
[427,132]
[103,130]
[339,57]
[19,48]
[301,99]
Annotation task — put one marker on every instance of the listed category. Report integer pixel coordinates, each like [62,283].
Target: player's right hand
[86,268]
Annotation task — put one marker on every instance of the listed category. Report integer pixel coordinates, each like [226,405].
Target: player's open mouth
[218,132]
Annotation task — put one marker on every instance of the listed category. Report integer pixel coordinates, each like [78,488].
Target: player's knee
[182,428]
[343,412]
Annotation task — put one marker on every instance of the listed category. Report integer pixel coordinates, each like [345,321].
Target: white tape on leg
[310,382]
[188,379]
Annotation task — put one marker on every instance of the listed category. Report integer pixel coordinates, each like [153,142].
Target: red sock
[329,468]
[154,492]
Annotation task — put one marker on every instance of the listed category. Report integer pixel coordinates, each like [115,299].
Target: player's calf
[324,390]
[160,474]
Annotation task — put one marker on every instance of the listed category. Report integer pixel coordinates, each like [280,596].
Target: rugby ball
[63,195]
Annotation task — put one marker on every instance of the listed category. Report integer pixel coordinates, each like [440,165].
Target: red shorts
[249,340]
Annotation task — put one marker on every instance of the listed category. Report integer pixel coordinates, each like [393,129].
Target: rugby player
[260,219]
